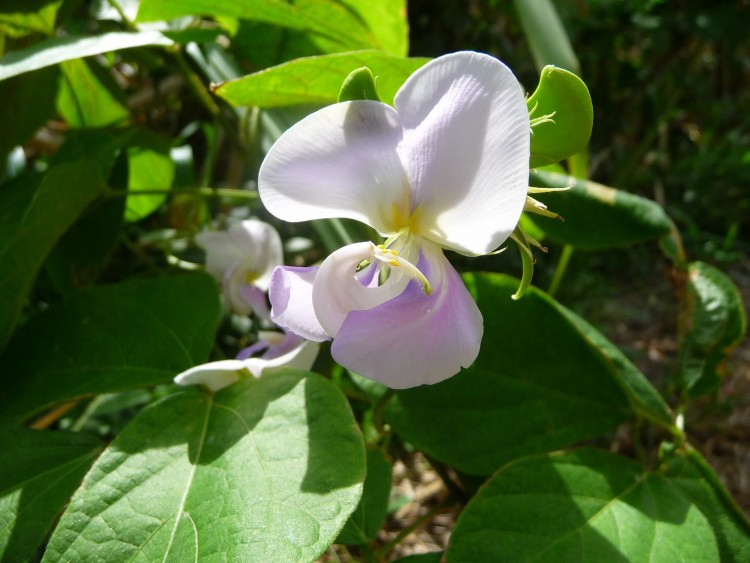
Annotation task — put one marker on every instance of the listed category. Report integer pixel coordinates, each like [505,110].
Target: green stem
[379,408]
[562,265]
[195,84]
[125,21]
[229,193]
[90,408]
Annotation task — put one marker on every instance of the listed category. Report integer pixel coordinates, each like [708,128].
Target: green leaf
[344,25]
[365,523]
[431,557]
[128,335]
[565,95]
[597,216]
[317,80]
[150,167]
[20,118]
[539,384]
[586,505]
[359,85]
[266,470]
[698,482]
[24,17]
[58,49]
[39,470]
[545,34]
[39,222]
[84,101]
[711,325]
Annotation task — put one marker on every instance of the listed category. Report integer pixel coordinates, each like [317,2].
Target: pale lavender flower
[242,260]
[446,168]
[278,350]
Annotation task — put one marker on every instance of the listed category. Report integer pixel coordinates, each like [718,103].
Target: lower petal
[214,375]
[414,339]
[290,293]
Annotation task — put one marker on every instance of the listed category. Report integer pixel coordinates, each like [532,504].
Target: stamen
[382,254]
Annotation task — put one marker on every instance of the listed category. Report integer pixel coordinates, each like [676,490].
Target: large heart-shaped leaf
[541,382]
[108,339]
[39,470]
[266,470]
[584,506]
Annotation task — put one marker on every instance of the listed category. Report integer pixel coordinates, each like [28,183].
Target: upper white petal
[340,161]
[466,150]
[337,289]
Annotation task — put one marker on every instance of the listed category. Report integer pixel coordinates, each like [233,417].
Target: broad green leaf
[150,167]
[584,506]
[711,325]
[20,118]
[698,482]
[597,216]
[63,194]
[265,470]
[343,24]
[108,339]
[546,36]
[644,399]
[365,523]
[539,384]
[79,257]
[58,49]
[387,21]
[23,17]
[432,557]
[317,79]
[39,471]
[564,96]
[84,101]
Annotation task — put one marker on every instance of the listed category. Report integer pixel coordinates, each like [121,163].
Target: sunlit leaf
[39,471]
[266,470]
[317,79]
[597,216]
[108,339]
[58,49]
[150,168]
[586,506]
[84,101]
[540,383]
[698,482]
[712,324]
[564,96]
[23,17]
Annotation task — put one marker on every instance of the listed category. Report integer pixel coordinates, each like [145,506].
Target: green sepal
[359,85]
[563,96]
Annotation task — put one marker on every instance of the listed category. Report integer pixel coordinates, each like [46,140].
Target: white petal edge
[340,161]
[466,147]
[302,357]
[214,375]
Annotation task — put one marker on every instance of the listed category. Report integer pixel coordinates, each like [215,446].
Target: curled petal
[338,289]
[300,355]
[340,161]
[292,302]
[414,339]
[214,375]
[466,149]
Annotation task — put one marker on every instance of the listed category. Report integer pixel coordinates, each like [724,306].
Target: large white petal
[466,149]
[340,161]
[338,290]
[414,339]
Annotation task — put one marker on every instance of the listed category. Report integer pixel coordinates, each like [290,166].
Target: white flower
[242,260]
[446,168]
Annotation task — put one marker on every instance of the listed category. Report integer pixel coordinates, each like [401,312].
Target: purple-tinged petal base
[291,302]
